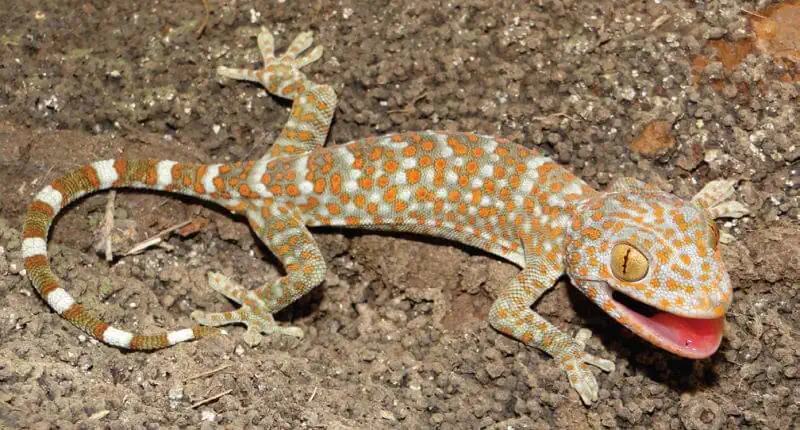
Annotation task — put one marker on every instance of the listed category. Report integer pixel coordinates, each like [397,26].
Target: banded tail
[191,179]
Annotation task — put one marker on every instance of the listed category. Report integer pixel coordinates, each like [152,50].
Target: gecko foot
[252,313]
[576,365]
[275,68]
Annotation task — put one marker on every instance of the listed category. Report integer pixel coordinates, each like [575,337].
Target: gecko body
[647,258]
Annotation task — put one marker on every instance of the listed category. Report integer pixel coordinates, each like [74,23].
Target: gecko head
[652,262]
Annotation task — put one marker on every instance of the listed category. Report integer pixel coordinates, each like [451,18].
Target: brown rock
[655,140]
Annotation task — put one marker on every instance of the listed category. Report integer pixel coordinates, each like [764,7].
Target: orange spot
[390,194]
[319,185]
[292,190]
[336,183]
[458,147]
[409,151]
[413,176]
[334,209]
[390,166]
[472,167]
[366,182]
[425,161]
[121,166]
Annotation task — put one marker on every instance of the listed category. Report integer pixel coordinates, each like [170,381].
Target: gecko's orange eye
[714,239]
[628,263]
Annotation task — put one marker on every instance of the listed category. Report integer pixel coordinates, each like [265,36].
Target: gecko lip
[688,337]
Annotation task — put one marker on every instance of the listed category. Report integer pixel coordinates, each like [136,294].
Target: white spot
[441,193]
[51,196]
[450,177]
[487,170]
[427,176]
[164,173]
[400,178]
[490,145]
[117,337]
[458,161]
[409,163]
[350,186]
[60,300]
[535,162]
[526,186]
[374,197]
[208,178]
[404,194]
[257,219]
[347,157]
[306,187]
[573,188]
[106,173]
[179,336]
[33,246]
[301,166]
[472,210]
[447,151]
[486,201]
[477,183]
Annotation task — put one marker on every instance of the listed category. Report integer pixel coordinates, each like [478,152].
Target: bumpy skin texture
[478,190]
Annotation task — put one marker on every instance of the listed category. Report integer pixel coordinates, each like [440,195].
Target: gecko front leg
[511,315]
[313,104]
[291,242]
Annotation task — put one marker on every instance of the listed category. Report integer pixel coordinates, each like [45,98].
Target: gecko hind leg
[253,313]
[291,242]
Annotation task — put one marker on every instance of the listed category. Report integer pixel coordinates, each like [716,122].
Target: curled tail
[102,175]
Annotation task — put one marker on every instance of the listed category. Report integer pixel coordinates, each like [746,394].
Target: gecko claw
[275,67]
[252,313]
[576,366]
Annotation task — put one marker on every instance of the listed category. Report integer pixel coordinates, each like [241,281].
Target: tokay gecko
[628,248]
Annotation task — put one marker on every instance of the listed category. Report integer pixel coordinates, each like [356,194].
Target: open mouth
[687,337]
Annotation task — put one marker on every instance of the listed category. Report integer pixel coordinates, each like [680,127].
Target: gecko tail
[98,176]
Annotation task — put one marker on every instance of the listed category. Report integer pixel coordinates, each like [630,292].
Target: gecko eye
[628,263]
[714,238]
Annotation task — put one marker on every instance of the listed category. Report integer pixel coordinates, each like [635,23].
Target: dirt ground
[675,93]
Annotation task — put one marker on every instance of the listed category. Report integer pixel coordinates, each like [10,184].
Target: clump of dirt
[396,336]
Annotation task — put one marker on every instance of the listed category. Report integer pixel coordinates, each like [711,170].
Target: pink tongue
[702,336]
